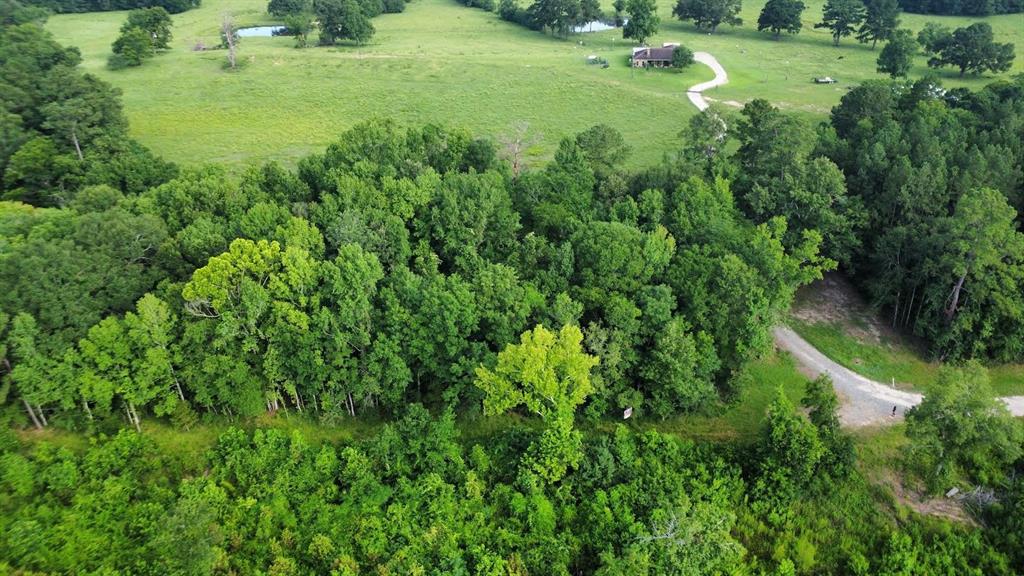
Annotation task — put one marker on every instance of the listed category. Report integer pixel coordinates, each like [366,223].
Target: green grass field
[444,63]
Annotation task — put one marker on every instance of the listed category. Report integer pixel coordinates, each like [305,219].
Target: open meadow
[442,62]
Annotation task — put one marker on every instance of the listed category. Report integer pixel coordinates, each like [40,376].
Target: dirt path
[863,402]
[694,93]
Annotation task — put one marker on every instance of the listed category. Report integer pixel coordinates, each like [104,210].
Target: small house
[645,57]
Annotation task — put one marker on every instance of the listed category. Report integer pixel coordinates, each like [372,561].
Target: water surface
[261,31]
[594,26]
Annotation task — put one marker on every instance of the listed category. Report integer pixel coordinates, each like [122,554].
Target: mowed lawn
[444,63]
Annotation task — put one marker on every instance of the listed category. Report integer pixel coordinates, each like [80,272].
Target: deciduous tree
[283,8]
[548,374]
[780,16]
[155,21]
[131,48]
[342,20]
[709,14]
[881,19]
[961,428]
[642,20]
[841,17]
[897,56]
[972,49]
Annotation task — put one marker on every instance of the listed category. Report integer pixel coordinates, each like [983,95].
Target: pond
[594,26]
[261,31]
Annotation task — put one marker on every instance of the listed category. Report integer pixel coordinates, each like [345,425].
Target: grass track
[441,62]
[739,421]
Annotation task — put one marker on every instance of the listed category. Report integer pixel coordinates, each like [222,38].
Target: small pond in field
[261,31]
[594,26]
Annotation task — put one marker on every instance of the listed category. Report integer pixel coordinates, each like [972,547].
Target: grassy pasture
[437,62]
[444,63]
[781,70]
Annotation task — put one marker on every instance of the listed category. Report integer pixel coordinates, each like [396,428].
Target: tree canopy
[780,16]
[642,20]
[343,366]
[709,14]
[971,49]
[841,18]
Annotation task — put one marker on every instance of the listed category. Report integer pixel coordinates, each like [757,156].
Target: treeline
[917,192]
[62,129]
[418,498]
[939,174]
[336,20]
[172,6]
[963,7]
[387,269]
[559,17]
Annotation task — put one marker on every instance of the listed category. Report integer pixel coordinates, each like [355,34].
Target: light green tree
[961,428]
[150,330]
[548,373]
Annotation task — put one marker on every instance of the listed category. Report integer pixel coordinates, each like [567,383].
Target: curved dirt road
[863,402]
[694,93]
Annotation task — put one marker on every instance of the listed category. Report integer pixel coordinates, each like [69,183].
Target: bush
[131,48]
[681,57]
[482,4]
[510,11]
[117,62]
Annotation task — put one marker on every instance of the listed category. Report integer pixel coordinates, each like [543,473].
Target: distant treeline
[963,7]
[172,6]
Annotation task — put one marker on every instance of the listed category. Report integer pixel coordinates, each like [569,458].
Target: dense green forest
[172,6]
[419,499]
[967,8]
[412,274]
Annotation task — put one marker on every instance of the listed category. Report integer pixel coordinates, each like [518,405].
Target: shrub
[681,57]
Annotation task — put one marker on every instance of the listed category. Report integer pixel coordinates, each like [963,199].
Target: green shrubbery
[146,31]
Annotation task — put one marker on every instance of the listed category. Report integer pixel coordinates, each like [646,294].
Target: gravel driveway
[863,402]
[694,93]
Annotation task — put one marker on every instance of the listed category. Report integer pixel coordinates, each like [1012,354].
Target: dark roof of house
[655,53]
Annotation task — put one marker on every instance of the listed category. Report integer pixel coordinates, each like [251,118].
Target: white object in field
[952,492]
[627,413]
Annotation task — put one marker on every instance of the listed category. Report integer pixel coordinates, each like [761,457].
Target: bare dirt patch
[910,497]
[834,301]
